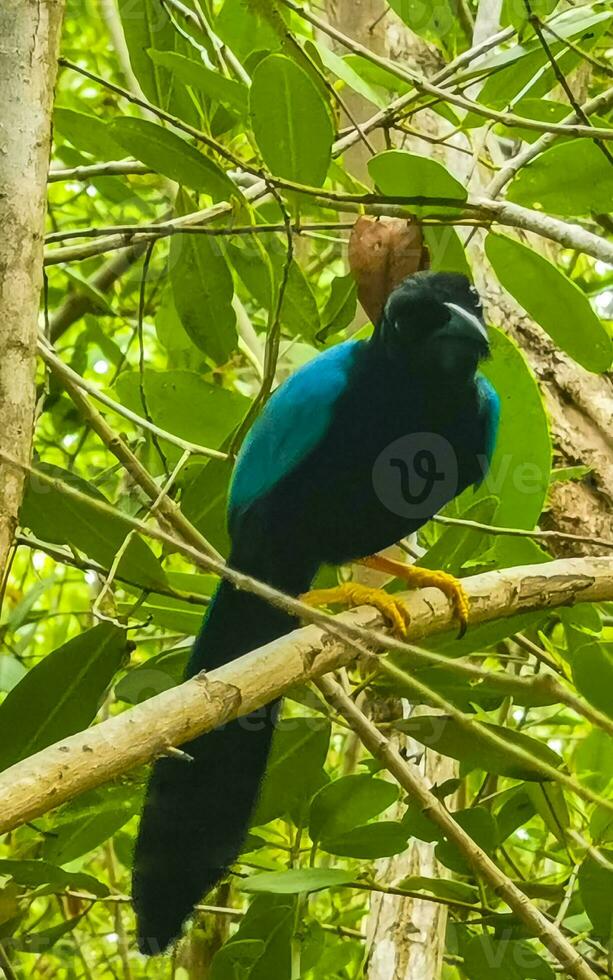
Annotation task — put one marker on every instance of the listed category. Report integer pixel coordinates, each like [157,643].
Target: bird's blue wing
[292,424]
[489,412]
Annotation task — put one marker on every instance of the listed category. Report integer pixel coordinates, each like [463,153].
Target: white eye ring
[475,292]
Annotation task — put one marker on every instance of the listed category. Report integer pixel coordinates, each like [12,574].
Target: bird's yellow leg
[356,594]
[423,578]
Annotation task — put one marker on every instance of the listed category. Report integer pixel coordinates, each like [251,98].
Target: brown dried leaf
[383,252]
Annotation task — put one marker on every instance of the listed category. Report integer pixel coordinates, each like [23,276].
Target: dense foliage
[191,334]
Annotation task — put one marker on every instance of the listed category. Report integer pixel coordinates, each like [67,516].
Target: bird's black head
[434,322]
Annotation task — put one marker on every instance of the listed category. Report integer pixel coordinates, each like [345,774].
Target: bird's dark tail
[196,814]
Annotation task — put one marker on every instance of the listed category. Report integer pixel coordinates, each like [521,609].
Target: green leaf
[503,959]
[564,474]
[514,813]
[520,468]
[146,25]
[570,24]
[596,888]
[518,14]
[295,769]
[544,110]
[291,121]
[157,674]
[571,178]
[340,307]
[204,502]
[86,132]
[601,824]
[378,76]
[552,299]
[261,272]
[373,840]
[400,174]
[203,289]
[235,958]
[457,891]
[297,880]
[61,694]
[458,544]
[438,22]
[478,824]
[42,940]
[550,804]
[446,250]
[348,802]
[54,516]
[167,612]
[594,760]
[416,824]
[592,668]
[485,635]
[463,693]
[344,70]
[270,920]
[125,795]
[34,874]
[245,28]
[168,327]
[228,91]
[11,671]
[74,839]
[448,737]
[172,397]
[171,155]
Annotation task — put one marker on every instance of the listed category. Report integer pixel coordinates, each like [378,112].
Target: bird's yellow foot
[423,578]
[355,594]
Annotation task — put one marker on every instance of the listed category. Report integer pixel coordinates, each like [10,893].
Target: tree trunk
[29,39]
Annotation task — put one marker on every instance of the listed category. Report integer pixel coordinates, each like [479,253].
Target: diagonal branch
[411,780]
[106,751]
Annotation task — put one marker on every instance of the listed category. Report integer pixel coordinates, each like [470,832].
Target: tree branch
[480,209]
[412,781]
[106,751]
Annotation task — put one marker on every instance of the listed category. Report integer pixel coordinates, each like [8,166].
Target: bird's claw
[423,578]
[352,594]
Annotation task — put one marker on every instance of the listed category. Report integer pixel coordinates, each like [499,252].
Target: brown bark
[29,38]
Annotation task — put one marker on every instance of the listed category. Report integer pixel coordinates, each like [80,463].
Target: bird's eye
[477,298]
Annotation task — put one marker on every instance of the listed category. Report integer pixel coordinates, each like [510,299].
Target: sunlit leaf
[171,155]
[552,299]
[448,737]
[297,880]
[348,802]
[202,290]
[291,121]
[61,694]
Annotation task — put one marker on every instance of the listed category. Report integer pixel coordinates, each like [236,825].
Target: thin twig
[271,351]
[585,55]
[561,78]
[411,780]
[64,557]
[521,533]
[168,511]
[507,118]
[141,355]
[65,373]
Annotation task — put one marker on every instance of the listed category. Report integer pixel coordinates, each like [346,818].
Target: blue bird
[355,451]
